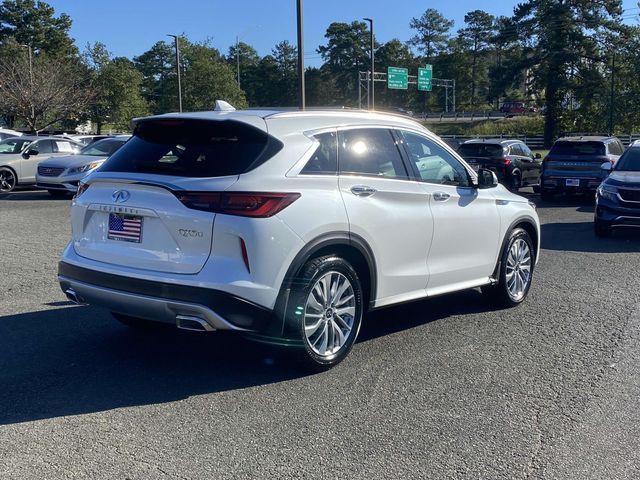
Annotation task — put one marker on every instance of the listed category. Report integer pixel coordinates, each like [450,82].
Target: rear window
[480,150]
[630,161]
[193,148]
[578,148]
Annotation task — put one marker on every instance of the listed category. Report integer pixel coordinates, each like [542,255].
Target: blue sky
[130,27]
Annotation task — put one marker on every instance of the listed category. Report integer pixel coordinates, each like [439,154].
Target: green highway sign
[425,76]
[397,78]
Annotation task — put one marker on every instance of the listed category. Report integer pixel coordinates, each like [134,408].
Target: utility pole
[372,54]
[175,37]
[613,86]
[301,99]
[33,112]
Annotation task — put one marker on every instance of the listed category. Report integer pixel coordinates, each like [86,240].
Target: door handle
[441,196]
[363,190]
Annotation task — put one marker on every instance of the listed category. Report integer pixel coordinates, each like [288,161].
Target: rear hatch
[133,213]
[483,155]
[575,160]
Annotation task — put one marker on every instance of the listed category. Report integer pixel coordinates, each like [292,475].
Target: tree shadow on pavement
[580,237]
[78,360]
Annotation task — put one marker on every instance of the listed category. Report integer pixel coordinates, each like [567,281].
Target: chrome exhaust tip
[73,296]
[193,324]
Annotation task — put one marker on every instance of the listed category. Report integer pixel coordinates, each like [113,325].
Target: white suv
[290,225]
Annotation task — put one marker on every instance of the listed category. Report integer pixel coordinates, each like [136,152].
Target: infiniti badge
[120,196]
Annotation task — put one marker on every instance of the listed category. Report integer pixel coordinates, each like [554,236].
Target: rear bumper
[162,302]
[559,183]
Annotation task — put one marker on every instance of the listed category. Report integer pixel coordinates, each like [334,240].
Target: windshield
[480,150]
[193,148]
[13,145]
[102,148]
[578,148]
[630,161]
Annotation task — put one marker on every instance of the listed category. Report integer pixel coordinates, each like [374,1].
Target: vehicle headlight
[608,192]
[86,168]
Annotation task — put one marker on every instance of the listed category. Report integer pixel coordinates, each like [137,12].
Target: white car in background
[290,225]
[60,176]
[20,156]
[6,133]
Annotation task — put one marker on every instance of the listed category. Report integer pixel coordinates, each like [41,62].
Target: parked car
[6,133]
[618,196]
[511,160]
[19,157]
[290,225]
[573,164]
[88,139]
[517,108]
[60,176]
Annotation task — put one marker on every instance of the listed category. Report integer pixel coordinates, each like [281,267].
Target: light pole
[238,51]
[372,88]
[301,100]
[175,37]
[33,113]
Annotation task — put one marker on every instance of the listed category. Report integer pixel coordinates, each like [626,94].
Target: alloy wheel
[329,314]
[7,180]
[518,269]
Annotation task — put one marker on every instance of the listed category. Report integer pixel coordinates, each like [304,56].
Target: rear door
[387,209]
[466,224]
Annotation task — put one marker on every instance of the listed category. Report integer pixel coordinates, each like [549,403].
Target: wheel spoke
[339,332]
[346,310]
[311,329]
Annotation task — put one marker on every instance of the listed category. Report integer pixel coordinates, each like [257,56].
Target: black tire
[300,307]
[547,195]
[601,229]
[8,180]
[57,193]
[500,293]
[139,323]
[515,182]
[537,188]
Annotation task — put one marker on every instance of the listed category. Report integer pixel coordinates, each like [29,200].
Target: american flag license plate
[123,227]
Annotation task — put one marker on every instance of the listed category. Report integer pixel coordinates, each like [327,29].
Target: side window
[615,148]
[433,162]
[370,151]
[324,160]
[63,147]
[43,146]
[526,151]
[516,149]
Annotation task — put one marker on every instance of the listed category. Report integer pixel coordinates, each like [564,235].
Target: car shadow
[78,360]
[583,203]
[31,195]
[580,237]
[386,321]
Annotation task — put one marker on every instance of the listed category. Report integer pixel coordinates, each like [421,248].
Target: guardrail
[535,142]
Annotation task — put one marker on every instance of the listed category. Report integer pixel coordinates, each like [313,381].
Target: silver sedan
[60,176]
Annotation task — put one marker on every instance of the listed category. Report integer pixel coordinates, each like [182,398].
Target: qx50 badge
[190,233]
[120,196]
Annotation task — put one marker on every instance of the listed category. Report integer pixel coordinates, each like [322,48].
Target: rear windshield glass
[102,148]
[630,161]
[480,150]
[578,148]
[193,148]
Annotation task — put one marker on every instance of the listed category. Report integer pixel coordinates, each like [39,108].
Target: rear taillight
[244,204]
[506,162]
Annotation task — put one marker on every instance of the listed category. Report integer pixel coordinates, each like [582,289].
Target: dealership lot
[435,389]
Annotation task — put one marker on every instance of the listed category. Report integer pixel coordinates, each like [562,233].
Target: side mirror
[606,167]
[487,179]
[538,156]
[32,151]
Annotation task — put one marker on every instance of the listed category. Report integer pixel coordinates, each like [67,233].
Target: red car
[517,107]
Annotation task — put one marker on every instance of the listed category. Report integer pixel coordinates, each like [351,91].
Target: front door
[466,223]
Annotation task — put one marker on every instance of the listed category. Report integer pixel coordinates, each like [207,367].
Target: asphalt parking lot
[443,388]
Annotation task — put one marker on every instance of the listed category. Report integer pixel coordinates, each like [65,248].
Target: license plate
[125,228]
[572,182]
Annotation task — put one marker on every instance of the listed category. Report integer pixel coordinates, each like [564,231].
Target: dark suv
[618,197]
[511,160]
[573,164]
